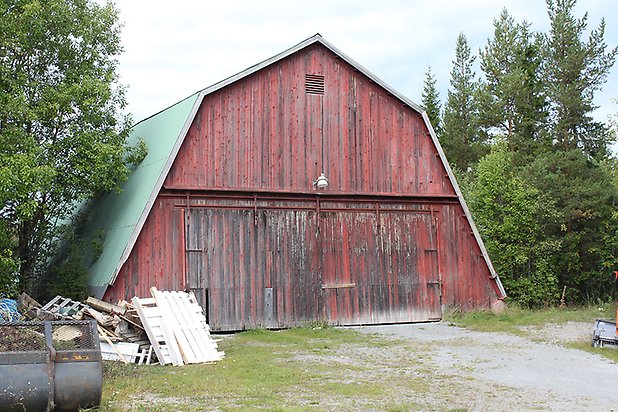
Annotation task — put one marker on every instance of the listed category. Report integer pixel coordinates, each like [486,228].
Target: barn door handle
[433,283]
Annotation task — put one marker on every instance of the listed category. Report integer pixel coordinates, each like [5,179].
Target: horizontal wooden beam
[339,286]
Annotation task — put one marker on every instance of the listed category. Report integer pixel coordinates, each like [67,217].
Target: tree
[508,211]
[583,196]
[545,198]
[609,230]
[62,137]
[511,100]
[460,137]
[430,99]
[575,70]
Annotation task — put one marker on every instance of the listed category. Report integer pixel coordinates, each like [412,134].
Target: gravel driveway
[500,371]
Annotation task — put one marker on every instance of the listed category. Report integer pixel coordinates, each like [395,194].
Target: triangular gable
[169,129]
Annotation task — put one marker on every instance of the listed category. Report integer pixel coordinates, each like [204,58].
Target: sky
[173,49]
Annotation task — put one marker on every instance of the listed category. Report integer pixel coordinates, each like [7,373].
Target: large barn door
[281,263]
[409,267]
[379,267]
[348,252]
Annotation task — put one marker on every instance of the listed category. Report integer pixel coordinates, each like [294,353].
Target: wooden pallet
[63,307]
[183,315]
[160,335]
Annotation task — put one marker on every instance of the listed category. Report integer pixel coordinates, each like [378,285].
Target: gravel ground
[499,371]
[432,367]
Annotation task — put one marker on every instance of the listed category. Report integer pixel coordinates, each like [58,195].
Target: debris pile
[167,328]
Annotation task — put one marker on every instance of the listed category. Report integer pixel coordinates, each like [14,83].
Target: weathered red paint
[239,221]
[264,132]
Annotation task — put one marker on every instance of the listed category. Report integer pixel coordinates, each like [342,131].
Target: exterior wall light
[321,182]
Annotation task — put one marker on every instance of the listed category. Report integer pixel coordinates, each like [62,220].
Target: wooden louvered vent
[314,84]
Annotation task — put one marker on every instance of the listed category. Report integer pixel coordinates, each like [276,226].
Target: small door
[194,254]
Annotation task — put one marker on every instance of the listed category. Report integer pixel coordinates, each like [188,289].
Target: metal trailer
[605,334]
[50,365]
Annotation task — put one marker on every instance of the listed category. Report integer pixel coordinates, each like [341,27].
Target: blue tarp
[8,311]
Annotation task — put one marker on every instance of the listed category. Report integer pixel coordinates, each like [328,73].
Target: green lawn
[320,368]
[514,318]
[294,369]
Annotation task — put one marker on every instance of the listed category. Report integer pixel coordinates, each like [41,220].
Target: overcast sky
[173,49]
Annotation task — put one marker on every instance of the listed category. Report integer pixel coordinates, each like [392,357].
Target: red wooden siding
[239,223]
[279,262]
[265,132]
[465,275]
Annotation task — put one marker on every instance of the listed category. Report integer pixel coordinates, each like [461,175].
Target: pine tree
[460,137]
[511,100]
[575,70]
[431,101]
[572,175]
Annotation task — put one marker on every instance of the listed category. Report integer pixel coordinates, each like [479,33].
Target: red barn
[229,203]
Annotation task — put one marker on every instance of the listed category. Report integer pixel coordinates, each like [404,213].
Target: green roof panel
[120,214]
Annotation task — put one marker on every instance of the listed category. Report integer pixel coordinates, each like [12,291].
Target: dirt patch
[428,367]
[490,371]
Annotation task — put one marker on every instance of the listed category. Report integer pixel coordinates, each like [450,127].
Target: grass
[323,368]
[513,319]
[295,369]
[611,354]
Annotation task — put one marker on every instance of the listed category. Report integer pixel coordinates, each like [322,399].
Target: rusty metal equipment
[50,365]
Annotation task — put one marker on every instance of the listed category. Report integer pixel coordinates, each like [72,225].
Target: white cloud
[173,49]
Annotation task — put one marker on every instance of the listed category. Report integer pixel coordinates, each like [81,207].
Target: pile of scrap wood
[169,326]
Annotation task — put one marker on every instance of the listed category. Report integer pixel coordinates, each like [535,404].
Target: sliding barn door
[284,263]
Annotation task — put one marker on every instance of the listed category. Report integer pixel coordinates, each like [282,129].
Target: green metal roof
[121,215]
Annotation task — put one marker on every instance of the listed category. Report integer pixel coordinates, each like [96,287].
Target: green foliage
[609,252]
[545,198]
[136,154]
[430,99]
[460,138]
[8,264]
[67,274]
[62,138]
[506,210]
[98,239]
[70,278]
[584,200]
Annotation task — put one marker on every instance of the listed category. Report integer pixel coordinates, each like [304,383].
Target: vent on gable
[314,84]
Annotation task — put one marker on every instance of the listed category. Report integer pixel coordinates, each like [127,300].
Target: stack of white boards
[177,328]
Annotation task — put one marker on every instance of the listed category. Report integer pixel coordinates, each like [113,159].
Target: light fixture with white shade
[321,182]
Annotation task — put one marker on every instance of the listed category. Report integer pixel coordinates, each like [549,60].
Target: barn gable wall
[239,222]
[265,132]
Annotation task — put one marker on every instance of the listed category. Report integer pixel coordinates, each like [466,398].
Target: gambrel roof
[122,215]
